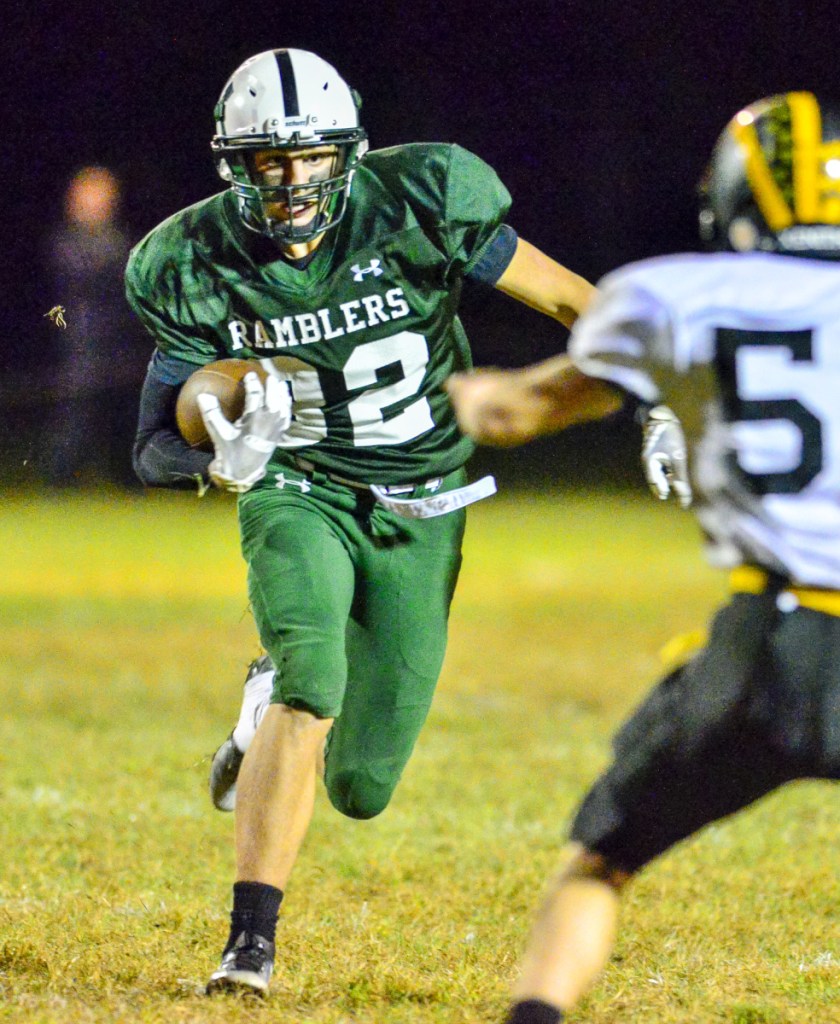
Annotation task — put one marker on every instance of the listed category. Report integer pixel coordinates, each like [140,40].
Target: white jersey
[745,348]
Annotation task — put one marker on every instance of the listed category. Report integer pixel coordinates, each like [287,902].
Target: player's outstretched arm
[509,407]
[545,285]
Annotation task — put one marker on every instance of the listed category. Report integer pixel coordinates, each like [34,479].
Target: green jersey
[365,334]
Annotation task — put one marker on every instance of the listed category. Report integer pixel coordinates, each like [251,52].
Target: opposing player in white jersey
[748,335]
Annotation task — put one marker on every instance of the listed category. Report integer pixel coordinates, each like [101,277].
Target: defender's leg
[692,753]
[574,931]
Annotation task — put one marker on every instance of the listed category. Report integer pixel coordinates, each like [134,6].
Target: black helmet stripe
[288,83]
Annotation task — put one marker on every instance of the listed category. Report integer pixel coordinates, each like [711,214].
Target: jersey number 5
[734,350]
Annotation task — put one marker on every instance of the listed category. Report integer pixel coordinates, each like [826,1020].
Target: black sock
[533,1011]
[255,909]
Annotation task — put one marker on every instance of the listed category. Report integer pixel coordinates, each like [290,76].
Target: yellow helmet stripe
[767,193]
[806,128]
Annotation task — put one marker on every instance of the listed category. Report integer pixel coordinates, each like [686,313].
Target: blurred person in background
[99,357]
[744,341]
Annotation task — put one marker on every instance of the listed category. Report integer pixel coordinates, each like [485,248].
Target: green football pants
[352,603]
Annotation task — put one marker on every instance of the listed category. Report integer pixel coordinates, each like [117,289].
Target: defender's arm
[509,407]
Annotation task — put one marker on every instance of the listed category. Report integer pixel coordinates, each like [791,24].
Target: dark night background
[598,117]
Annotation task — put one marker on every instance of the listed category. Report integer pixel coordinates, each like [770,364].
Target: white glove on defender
[243,448]
[664,455]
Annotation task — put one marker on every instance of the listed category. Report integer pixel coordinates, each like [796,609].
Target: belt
[413,508]
[750,579]
[310,467]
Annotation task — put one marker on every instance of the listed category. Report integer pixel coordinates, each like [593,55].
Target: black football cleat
[224,772]
[245,968]
[224,769]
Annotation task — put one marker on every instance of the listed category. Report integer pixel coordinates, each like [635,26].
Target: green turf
[124,642]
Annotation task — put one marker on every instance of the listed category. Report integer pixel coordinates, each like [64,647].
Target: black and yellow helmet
[773,183]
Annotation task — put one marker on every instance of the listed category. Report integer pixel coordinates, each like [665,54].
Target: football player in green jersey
[350,465]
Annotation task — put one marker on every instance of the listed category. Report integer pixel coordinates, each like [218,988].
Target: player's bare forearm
[545,285]
[504,408]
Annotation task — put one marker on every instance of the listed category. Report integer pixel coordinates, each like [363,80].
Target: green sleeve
[476,204]
[155,290]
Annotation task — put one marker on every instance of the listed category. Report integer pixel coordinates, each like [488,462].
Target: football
[222,379]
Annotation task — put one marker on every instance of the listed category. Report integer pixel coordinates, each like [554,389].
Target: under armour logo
[284,481]
[374,268]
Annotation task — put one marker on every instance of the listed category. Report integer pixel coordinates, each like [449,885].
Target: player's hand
[664,456]
[243,448]
[494,407]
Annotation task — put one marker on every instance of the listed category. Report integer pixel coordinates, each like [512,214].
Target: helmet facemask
[259,199]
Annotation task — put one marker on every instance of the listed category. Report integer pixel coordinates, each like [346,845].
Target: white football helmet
[287,99]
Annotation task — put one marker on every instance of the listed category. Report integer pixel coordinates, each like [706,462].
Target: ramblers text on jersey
[320,325]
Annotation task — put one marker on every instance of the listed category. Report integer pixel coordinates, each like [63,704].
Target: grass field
[124,641]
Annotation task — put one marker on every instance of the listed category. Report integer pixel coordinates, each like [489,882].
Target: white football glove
[243,448]
[664,455]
